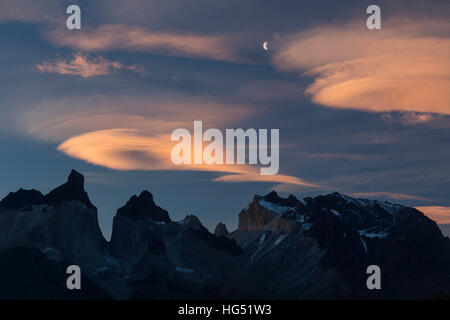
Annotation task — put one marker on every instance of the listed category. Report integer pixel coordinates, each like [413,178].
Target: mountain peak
[191,221]
[271,196]
[143,207]
[274,198]
[221,230]
[21,198]
[76,178]
[146,196]
[72,190]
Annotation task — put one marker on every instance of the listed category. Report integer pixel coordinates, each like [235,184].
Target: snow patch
[51,250]
[184,270]
[260,243]
[336,213]
[275,208]
[364,244]
[281,238]
[102,269]
[262,239]
[367,234]
[307,226]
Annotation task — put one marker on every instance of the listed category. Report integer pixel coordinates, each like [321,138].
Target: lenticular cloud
[399,68]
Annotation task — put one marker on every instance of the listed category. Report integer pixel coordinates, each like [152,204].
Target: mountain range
[283,248]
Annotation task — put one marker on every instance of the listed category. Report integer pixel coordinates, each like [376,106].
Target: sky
[362,112]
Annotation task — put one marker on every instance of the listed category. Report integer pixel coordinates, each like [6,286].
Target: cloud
[340,155]
[120,149]
[82,65]
[30,11]
[390,195]
[56,119]
[133,133]
[122,37]
[279,178]
[439,214]
[403,67]
[126,149]
[415,118]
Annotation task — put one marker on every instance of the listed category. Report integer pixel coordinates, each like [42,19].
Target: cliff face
[313,248]
[348,235]
[62,224]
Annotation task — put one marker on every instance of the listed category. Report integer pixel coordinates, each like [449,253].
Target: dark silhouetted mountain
[191,222]
[26,273]
[72,190]
[143,207]
[315,248]
[347,235]
[63,225]
[221,230]
[22,198]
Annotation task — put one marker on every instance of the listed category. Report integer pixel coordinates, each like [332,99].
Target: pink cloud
[133,133]
[390,195]
[82,65]
[400,68]
[127,149]
[439,214]
[256,177]
[122,37]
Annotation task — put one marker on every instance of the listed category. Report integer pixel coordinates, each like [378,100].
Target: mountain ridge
[315,248]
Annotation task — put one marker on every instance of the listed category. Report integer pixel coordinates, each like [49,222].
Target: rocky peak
[76,179]
[274,198]
[72,190]
[221,230]
[22,198]
[191,222]
[256,215]
[143,207]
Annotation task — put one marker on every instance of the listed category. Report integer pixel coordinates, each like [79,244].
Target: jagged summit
[143,207]
[21,198]
[318,247]
[75,178]
[274,198]
[72,190]
[221,230]
[191,221]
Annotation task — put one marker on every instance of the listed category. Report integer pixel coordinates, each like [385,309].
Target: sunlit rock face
[349,234]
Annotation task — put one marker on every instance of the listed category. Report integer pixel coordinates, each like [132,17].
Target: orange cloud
[121,149]
[56,119]
[390,195]
[439,214]
[125,149]
[399,68]
[279,178]
[132,133]
[122,37]
[82,66]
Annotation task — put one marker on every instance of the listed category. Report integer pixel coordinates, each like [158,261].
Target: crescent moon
[265,46]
